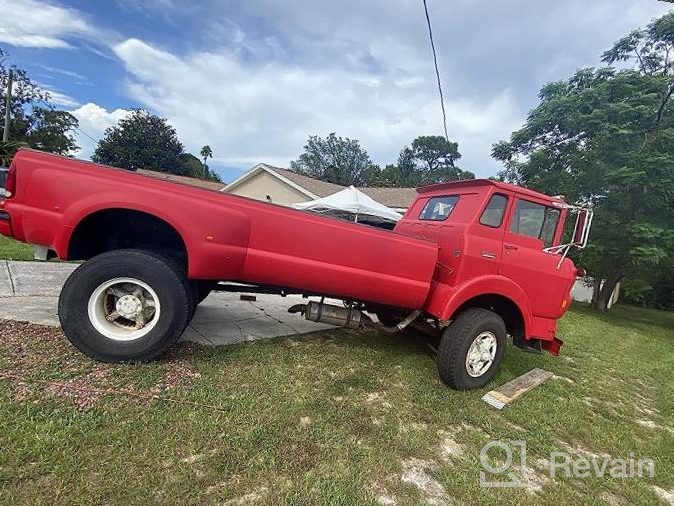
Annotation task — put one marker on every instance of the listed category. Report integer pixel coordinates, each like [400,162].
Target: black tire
[175,265]
[164,276]
[202,290]
[457,340]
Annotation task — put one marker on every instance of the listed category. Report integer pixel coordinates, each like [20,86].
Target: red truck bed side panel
[227,237]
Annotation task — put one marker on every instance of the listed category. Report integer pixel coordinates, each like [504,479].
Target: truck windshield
[438,208]
[535,220]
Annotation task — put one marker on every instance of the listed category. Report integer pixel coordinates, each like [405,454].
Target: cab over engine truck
[471,261]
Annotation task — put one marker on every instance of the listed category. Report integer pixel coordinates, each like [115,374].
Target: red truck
[470,262]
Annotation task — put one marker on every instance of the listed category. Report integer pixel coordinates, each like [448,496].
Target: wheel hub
[124,309]
[129,306]
[481,354]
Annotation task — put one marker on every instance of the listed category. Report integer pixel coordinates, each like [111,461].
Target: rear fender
[445,300]
[206,242]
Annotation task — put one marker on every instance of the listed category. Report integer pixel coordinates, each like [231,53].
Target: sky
[253,79]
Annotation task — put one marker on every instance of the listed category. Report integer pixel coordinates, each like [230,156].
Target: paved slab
[41,310]
[29,292]
[39,278]
[5,281]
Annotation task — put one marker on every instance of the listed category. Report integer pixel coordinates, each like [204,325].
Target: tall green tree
[336,160]
[142,141]
[430,159]
[206,153]
[34,122]
[606,137]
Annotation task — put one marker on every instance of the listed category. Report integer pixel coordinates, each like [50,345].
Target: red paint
[436,266]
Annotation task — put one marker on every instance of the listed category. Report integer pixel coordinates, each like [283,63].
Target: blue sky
[253,79]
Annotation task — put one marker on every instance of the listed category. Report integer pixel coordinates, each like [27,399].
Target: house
[285,187]
[193,181]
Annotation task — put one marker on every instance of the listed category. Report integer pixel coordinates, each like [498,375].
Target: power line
[85,134]
[53,108]
[437,72]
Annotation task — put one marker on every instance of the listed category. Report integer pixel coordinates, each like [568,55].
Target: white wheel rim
[481,354]
[124,309]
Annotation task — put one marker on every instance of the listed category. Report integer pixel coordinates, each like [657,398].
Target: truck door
[532,227]
[484,239]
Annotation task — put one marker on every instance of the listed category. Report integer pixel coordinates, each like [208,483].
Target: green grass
[11,249]
[332,418]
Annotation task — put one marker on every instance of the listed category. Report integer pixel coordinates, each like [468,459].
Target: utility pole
[8,102]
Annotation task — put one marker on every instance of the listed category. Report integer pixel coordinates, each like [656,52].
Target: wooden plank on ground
[506,394]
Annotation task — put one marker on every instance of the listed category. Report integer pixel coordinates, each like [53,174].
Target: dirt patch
[533,482]
[516,427]
[382,495]
[665,495]
[33,354]
[449,447]
[612,499]
[377,398]
[249,498]
[412,427]
[415,472]
[653,425]
[582,451]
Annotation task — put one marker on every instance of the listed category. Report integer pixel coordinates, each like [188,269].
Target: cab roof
[476,183]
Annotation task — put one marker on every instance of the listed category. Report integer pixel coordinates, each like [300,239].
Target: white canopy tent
[353,203]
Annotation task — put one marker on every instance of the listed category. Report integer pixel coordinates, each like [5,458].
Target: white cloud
[272,73]
[32,23]
[94,119]
[250,113]
[58,98]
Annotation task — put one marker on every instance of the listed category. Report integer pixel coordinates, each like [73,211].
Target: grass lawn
[337,417]
[14,250]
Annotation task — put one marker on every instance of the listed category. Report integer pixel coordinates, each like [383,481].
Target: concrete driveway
[29,292]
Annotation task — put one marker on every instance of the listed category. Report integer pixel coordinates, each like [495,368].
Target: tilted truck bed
[227,237]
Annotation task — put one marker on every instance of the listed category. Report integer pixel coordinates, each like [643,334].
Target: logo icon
[513,479]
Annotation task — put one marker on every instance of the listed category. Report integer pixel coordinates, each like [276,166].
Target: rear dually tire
[125,305]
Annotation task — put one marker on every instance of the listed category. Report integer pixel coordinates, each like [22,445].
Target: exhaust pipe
[335,315]
[345,317]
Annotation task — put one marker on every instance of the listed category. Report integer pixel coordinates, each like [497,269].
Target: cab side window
[438,208]
[535,220]
[492,216]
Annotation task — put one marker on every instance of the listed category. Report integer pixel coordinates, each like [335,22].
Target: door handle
[510,246]
[487,254]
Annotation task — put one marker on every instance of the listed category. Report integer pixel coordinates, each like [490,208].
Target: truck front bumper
[552,347]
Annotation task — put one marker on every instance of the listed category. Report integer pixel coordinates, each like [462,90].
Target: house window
[535,220]
[492,216]
[438,208]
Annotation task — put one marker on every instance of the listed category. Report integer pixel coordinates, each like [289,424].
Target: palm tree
[206,153]
[7,151]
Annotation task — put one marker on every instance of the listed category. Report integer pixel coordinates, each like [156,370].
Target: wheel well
[504,307]
[112,229]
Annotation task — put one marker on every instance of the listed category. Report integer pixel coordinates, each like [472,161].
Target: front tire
[471,349]
[125,305]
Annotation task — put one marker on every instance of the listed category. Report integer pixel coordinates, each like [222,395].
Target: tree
[206,153]
[606,137]
[431,159]
[190,165]
[142,140]
[34,122]
[7,151]
[336,160]
[50,130]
